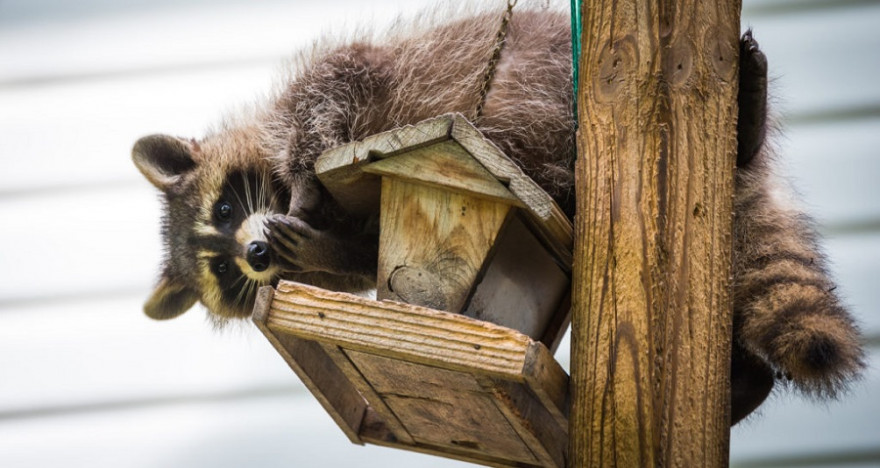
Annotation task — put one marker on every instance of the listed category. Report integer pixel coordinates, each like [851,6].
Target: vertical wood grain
[433,243]
[651,319]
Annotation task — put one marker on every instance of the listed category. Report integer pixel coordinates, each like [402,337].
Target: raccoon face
[230,244]
[216,206]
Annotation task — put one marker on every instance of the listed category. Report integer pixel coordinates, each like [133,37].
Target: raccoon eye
[221,268]
[223,211]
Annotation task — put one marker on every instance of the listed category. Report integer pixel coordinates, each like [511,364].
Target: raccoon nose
[258,255]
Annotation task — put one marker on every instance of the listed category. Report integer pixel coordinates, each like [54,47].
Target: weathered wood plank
[316,370]
[365,388]
[549,382]
[387,375]
[433,244]
[432,381]
[343,171]
[546,438]
[394,329]
[555,228]
[652,322]
[522,287]
[445,164]
[500,166]
[443,408]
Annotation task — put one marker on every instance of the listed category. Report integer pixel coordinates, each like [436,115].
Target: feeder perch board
[454,356]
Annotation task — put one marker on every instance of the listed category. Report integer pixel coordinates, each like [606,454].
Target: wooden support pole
[652,310]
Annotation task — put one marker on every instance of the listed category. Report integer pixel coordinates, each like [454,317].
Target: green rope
[575,51]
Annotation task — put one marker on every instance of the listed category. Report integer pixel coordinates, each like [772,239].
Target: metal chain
[493,61]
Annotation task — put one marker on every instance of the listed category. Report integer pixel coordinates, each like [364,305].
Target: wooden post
[652,308]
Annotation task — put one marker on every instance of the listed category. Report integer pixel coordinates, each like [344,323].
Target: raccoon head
[217,196]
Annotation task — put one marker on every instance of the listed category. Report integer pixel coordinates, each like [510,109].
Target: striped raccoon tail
[785,306]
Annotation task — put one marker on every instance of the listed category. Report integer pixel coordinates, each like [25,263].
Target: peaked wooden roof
[445,151]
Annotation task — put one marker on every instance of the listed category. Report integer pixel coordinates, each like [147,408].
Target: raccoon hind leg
[751,125]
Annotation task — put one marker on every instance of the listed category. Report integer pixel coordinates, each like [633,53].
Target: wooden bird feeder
[454,357]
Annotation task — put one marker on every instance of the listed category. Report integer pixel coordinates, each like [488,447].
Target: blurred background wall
[87,380]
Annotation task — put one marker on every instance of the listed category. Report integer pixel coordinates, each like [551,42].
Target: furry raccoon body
[788,320]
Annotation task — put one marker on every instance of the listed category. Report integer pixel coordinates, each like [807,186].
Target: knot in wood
[721,45]
[417,286]
[678,63]
[617,64]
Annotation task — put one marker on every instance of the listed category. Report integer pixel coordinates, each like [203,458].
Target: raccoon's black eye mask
[229,277]
[244,193]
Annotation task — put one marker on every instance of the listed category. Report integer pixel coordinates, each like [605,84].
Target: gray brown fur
[346,93]
[788,319]
[787,310]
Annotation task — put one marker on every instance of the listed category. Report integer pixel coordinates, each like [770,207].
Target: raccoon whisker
[239,298]
[252,286]
[240,277]
[238,197]
[258,202]
[241,291]
[247,194]
[256,285]
[265,189]
[248,293]
[251,289]
[269,193]
[262,199]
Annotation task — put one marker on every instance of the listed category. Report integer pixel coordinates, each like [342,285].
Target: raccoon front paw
[752,122]
[300,248]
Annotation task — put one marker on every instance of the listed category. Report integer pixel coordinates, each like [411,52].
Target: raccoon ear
[162,159]
[169,300]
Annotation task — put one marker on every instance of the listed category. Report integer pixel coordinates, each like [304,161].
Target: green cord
[575,50]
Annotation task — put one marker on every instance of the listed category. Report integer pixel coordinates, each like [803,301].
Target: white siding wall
[87,380]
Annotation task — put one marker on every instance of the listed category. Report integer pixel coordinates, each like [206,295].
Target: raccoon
[243,207]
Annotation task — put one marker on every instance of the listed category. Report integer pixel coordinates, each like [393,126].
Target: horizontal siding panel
[93,353]
[93,126]
[855,263]
[82,133]
[96,121]
[183,36]
[835,166]
[79,243]
[268,432]
[808,51]
[23,11]
[820,58]
[790,426]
